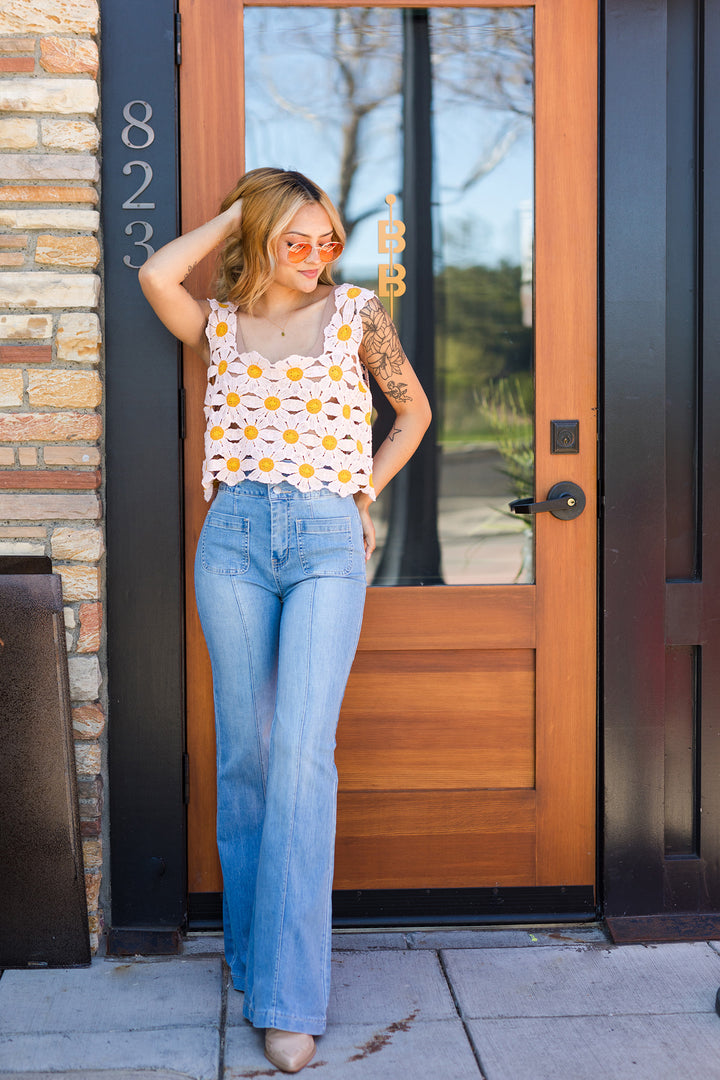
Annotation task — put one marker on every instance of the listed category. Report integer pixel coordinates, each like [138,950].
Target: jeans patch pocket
[225,544]
[325,546]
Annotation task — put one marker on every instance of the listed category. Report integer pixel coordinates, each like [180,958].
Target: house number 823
[138,134]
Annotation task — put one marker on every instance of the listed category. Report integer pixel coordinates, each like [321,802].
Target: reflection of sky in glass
[483,131]
[300,107]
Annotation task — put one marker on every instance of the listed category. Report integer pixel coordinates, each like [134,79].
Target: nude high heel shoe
[290,1051]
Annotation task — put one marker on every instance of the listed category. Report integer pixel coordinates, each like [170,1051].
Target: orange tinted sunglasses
[328,253]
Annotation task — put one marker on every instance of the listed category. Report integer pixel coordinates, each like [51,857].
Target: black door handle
[565,501]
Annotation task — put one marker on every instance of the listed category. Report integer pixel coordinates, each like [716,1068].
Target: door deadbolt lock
[565,501]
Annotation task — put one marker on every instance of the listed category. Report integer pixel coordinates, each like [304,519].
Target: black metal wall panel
[635,113]
[145,600]
[662,560]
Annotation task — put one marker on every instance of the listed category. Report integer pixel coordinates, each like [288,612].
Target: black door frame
[661,447]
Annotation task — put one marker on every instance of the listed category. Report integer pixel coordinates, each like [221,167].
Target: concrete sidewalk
[557,1003]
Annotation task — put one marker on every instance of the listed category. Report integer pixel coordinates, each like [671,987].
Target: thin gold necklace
[280,328]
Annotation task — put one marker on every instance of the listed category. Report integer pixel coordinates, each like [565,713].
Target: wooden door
[466,748]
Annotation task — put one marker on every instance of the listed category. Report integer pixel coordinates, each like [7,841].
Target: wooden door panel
[487,836]
[448,618]
[432,730]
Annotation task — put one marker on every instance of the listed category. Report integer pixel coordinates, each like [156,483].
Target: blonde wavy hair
[270,200]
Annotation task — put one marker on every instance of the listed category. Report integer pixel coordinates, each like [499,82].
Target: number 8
[141,125]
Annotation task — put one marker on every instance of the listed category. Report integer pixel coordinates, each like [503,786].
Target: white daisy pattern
[303,419]
[344,475]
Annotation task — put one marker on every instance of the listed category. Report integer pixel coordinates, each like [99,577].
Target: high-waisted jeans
[280,587]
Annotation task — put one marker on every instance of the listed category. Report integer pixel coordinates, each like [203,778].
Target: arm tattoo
[398,391]
[394,432]
[384,354]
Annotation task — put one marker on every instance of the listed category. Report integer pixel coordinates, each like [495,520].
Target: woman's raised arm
[161,278]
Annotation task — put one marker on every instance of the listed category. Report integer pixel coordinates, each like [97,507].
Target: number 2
[130,203]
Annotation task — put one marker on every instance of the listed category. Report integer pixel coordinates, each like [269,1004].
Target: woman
[279,571]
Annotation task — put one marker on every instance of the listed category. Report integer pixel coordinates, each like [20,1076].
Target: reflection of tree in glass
[480,340]
[340,71]
[343,66]
[485,58]
[508,407]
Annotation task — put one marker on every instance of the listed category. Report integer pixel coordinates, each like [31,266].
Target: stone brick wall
[51,385]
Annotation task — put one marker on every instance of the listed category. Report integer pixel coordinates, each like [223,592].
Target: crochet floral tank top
[304,419]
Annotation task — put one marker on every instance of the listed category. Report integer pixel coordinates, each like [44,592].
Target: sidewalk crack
[223,1019]
[458,1010]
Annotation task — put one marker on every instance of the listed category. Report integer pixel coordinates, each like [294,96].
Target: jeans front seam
[327,919]
[258,738]
[294,806]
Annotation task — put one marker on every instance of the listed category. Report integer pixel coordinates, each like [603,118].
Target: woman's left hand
[363,504]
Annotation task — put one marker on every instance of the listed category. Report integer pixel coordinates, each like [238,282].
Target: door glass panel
[342,96]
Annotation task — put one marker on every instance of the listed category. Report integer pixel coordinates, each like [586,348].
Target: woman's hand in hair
[161,278]
[235,215]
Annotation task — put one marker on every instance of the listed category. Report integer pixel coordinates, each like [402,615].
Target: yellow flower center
[290,436]
[222,367]
[232,400]
[272,403]
[221,329]
[223,306]
[306,470]
[346,411]
[370,481]
[362,387]
[233,464]
[352,293]
[254,371]
[314,405]
[335,373]
[251,432]
[359,446]
[294,374]
[368,418]
[344,476]
[266,464]
[344,332]
[217,433]
[329,442]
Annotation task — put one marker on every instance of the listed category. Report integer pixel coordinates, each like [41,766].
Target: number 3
[139,243]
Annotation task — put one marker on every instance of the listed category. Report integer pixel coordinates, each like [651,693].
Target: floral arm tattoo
[384,356]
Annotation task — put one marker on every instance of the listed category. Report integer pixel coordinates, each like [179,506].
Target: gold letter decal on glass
[391,241]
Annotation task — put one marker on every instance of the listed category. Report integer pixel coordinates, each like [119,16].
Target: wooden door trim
[566,320]
[212,148]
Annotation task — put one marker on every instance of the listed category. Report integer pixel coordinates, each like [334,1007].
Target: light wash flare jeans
[280,587]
